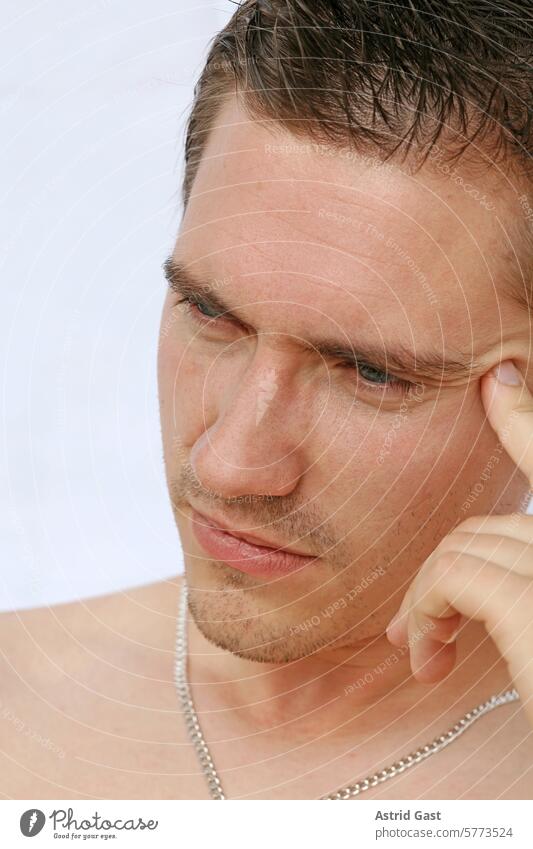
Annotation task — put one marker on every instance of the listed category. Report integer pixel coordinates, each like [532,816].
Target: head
[354,254]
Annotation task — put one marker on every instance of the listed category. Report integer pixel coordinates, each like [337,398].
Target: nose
[255,445]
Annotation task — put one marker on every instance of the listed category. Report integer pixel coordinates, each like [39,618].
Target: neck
[356,689]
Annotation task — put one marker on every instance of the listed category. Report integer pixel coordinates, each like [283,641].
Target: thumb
[508,404]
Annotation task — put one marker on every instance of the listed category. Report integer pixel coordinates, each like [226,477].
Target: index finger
[509,407]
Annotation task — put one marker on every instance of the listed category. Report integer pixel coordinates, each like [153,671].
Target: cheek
[369,443]
[418,454]
[427,462]
[382,461]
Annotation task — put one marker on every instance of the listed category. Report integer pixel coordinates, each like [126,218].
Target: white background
[93,102]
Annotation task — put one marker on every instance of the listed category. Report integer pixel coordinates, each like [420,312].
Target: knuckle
[470,525]
[445,562]
[457,541]
[453,541]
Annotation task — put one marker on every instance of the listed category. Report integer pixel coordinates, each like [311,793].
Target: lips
[245,552]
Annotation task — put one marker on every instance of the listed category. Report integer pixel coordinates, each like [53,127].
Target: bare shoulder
[69,675]
[38,638]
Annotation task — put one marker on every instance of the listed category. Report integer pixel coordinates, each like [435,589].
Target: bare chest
[130,751]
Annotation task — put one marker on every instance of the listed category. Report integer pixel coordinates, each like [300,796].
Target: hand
[483,569]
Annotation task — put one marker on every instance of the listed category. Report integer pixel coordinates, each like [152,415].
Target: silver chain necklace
[206,761]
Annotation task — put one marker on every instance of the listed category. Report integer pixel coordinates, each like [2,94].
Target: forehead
[301,220]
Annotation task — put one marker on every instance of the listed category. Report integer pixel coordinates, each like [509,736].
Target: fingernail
[507,373]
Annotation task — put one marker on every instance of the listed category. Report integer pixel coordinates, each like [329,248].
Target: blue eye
[377,380]
[201,307]
[204,309]
[374,375]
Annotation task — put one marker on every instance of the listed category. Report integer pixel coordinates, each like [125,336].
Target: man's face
[336,412]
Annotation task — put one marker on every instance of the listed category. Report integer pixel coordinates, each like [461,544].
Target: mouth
[244,551]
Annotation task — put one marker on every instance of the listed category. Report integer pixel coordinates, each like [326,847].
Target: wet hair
[409,79]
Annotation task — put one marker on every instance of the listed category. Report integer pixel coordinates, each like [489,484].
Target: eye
[206,311]
[374,375]
[199,310]
[377,380]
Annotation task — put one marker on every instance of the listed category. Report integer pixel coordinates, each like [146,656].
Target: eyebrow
[399,358]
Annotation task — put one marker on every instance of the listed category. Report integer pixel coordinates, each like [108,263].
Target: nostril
[234,463]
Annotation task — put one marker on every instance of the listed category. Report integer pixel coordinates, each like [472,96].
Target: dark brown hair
[391,76]
[403,78]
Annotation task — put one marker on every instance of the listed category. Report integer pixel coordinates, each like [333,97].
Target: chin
[227,608]
[249,641]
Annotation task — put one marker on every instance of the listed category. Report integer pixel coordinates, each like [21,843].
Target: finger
[430,658]
[499,598]
[509,407]
[441,629]
[517,525]
[396,630]
[471,586]
[509,553]
[477,589]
